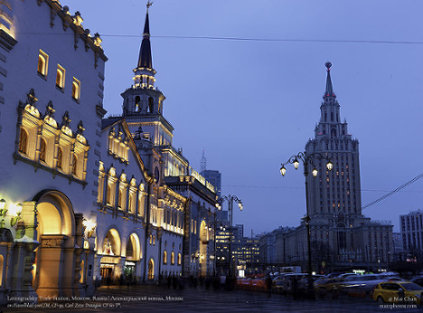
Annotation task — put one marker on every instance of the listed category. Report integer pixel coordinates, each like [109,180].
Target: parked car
[398,291]
[418,280]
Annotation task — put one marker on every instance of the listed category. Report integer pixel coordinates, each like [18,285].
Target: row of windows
[172,258]
[129,195]
[42,68]
[41,141]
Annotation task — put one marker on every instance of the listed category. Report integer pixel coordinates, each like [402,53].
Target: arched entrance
[203,248]
[54,269]
[132,256]
[151,269]
[111,249]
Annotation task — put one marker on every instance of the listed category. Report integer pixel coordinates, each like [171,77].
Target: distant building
[398,252]
[215,178]
[412,231]
[341,236]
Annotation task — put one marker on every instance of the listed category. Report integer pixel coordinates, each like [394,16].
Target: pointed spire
[329,88]
[145,60]
[203,162]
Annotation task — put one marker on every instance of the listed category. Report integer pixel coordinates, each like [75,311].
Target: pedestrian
[269,285]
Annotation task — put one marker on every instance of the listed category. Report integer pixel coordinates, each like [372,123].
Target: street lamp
[308,161]
[230,199]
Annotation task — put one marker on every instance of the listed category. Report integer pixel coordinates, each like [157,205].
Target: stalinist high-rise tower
[341,236]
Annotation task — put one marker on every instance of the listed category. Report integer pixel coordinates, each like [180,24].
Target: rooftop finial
[149,4]
[328,65]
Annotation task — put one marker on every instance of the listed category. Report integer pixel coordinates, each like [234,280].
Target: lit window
[23,141]
[164,257]
[179,259]
[60,77]
[172,258]
[76,89]
[42,63]
[43,148]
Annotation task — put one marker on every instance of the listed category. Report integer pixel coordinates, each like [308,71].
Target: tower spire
[144,72]
[329,88]
[203,162]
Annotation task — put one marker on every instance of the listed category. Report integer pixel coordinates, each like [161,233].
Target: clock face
[156,174]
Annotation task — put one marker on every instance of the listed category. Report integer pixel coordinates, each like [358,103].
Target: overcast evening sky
[252,104]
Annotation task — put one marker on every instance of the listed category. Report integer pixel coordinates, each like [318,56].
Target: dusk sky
[251,104]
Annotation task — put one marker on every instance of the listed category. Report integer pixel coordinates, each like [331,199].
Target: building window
[137,104]
[164,257]
[150,105]
[76,89]
[172,258]
[60,77]
[59,158]
[179,259]
[43,149]
[42,66]
[23,141]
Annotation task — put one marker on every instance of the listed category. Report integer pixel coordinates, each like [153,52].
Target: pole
[307,222]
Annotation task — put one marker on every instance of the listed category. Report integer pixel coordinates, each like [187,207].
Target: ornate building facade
[85,199]
[341,236]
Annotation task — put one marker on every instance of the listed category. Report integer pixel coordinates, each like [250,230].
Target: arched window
[137,104]
[76,89]
[81,279]
[60,77]
[172,258]
[179,259]
[164,257]
[150,104]
[23,141]
[151,269]
[74,165]
[59,158]
[43,149]
[42,65]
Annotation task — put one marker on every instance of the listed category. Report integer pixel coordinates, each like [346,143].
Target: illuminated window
[151,269]
[76,89]
[59,158]
[43,149]
[137,104]
[172,258]
[42,66]
[164,257]
[154,240]
[100,184]
[151,239]
[179,259]
[23,141]
[60,77]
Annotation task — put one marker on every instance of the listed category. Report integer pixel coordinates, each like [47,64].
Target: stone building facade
[84,199]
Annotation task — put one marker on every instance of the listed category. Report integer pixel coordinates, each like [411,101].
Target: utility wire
[394,191]
[390,193]
[235,38]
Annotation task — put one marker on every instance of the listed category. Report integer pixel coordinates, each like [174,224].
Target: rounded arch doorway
[54,270]
[110,270]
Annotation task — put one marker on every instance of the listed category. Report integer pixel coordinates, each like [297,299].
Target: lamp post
[308,161]
[230,199]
